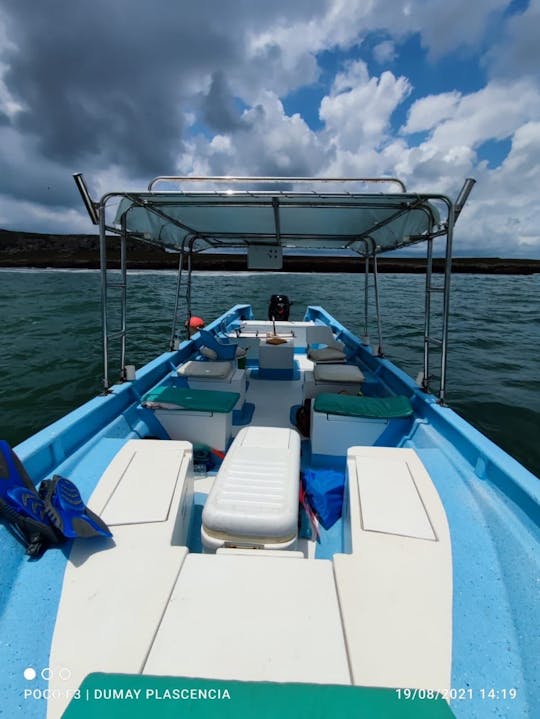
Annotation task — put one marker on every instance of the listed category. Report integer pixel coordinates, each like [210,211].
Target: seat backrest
[320,334]
[223,351]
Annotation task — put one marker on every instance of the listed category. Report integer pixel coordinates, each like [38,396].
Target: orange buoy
[194,324]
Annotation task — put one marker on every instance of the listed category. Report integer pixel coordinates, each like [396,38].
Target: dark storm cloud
[104,82]
[108,83]
[218,107]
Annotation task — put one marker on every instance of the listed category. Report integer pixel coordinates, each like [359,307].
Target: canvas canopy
[363,223]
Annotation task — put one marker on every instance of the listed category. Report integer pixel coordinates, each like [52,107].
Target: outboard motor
[279,308]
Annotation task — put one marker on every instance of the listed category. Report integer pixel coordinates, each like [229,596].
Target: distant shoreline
[31,250]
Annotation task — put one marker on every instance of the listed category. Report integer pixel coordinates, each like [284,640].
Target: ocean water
[51,357]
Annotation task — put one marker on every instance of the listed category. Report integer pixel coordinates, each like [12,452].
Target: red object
[195,322]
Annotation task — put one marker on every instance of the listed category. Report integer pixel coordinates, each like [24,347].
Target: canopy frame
[155,216]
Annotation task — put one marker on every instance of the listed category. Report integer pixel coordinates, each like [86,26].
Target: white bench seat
[254,499]
[395,587]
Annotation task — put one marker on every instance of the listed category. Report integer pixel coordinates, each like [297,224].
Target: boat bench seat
[395,586]
[254,499]
[218,376]
[113,585]
[332,378]
[341,421]
[194,415]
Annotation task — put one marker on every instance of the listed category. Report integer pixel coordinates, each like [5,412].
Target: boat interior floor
[370,601]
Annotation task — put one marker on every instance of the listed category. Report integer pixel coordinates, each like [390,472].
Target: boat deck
[253,615]
[345,607]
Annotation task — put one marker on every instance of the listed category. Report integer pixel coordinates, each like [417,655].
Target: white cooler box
[254,499]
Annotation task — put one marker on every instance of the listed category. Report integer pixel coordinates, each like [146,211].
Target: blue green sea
[51,358]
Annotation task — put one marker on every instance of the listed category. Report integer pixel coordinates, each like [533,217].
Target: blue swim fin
[22,507]
[67,512]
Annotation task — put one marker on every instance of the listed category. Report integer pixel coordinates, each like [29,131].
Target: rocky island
[24,249]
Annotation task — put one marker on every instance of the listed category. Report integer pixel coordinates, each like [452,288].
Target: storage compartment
[195,415]
[342,421]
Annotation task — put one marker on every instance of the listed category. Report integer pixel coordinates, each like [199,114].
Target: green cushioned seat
[371,407]
[198,400]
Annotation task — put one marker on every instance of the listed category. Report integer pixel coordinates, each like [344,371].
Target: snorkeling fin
[22,507]
[67,512]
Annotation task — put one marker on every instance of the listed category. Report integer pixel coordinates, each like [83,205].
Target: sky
[430,91]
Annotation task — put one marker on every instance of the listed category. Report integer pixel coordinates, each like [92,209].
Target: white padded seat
[202,370]
[254,499]
[338,373]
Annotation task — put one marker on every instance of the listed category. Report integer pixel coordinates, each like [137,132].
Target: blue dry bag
[324,490]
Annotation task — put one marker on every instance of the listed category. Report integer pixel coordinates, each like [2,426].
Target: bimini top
[284,212]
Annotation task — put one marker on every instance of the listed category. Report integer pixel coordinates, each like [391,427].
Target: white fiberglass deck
[273,399]
[255,615]
[392,583]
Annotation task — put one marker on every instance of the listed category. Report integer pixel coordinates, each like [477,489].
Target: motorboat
[269,517]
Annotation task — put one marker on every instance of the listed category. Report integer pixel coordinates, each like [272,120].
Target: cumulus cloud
[126,95]
[429,111]
[495,112]
[384,52]
[517,52]
[448,26]
[357,111]
[269,143]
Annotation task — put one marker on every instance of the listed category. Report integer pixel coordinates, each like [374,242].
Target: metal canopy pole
[123,297]
[103,272]
[366,300]
[454,211]
[188,288]
[463,196]
[106,286]
[380,351]
[175,338]
[427,313]
[174,341]
[446,301]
